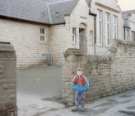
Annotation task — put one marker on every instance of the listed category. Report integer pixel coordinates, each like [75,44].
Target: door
[83,41]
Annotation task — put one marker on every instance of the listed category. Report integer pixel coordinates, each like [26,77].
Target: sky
[127,4]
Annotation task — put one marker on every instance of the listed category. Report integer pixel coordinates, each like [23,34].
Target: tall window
[115,26]
[107,32]
[127,33]
[133,35]
[111,27]
[108,28]
[74,36]
[100,27]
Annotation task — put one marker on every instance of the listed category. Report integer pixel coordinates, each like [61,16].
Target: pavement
[118,105]
[34,88]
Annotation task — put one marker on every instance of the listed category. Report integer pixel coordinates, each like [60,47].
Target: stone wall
[25,37]
[59,41]
[109,75]
[7,80]
[123,66]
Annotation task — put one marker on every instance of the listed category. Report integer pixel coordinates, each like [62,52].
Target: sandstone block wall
[25,37]
[123,66]
[7,80]
[108,74]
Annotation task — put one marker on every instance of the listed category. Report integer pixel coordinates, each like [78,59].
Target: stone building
[41,30]
[129,25]
[109,25]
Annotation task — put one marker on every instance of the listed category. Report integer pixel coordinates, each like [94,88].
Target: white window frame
[127,34]
[74,36]
[43,34]
[108,28]
[100,28]
[115,27]
[133,35]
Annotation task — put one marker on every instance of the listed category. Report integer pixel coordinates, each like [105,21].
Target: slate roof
[126,16]
[128,13]
[43,11]
[59,10]
[32,10]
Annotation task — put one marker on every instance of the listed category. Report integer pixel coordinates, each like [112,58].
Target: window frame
[43,34]
[115,27]
[74,36]
[100,28]
[133,35]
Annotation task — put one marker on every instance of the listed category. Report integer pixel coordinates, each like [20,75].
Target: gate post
[72,57]
[7,80]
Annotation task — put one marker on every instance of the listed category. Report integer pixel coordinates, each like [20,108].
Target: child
[80,87]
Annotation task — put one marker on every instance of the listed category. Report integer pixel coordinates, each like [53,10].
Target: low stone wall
[109,74]
[7,80]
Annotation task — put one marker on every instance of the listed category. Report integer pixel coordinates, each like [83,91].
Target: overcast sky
[127,4]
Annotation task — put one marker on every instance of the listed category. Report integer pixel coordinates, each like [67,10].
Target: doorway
[82,41]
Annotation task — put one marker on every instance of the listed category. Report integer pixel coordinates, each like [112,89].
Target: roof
[88,2]
[43,11]
[32,10]
[128,17]
[129,11]
[59,10]
[113,4]
[127,14]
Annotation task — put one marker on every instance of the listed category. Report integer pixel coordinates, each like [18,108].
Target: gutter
[23,20]
[29,21]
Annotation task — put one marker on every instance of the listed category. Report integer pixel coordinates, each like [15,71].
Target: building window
[100,28]
[127,33]
[115,27]
[74,36]
[42,30]
[42,38]
[108,28]
[43,34]
[133,35]
[92,37]
[111,27]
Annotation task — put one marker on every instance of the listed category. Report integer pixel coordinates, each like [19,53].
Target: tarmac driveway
[40,81]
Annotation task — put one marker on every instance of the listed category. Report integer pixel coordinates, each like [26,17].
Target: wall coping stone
[121,42]
[90,58]
[72,51]
[99,59]
[6,47]
[116,43]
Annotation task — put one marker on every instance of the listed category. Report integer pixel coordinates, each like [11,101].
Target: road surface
[37,83]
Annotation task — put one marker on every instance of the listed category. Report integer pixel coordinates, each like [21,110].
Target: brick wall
[109,74]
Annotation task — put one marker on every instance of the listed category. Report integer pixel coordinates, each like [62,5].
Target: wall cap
[100,59]
[6,47]
[124,42]
[72,51]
